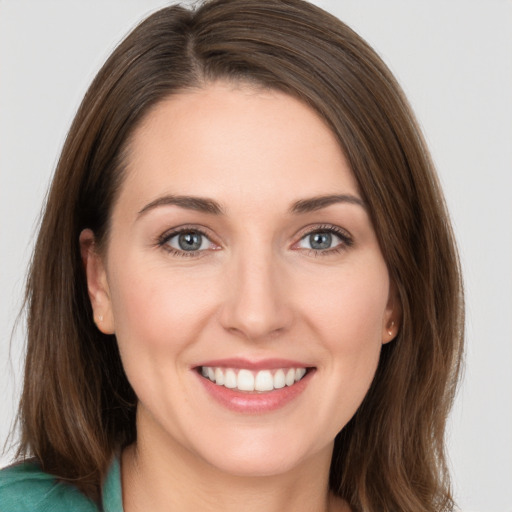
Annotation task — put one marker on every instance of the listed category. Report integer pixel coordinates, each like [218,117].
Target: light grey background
[454,60]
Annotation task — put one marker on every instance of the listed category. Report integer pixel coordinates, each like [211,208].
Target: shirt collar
[112,499]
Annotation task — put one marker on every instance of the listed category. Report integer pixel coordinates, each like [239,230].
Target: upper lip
[248,364]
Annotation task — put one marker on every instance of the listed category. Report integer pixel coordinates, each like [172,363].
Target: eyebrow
[205,205]
[200,204]
[317,203]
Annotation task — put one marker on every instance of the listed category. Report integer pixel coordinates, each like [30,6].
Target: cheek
[157,313]
[353,305]
[349,318]
[158,317]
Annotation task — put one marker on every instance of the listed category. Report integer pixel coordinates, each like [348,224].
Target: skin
[255,290]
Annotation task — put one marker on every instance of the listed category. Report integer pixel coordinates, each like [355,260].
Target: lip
[255,365]
[254,402]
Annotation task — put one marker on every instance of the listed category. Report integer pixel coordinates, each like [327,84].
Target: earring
[390,332]
[100,318]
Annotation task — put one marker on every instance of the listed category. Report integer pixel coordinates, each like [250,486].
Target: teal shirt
[25,488]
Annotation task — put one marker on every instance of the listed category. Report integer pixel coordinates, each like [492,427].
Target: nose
[257,304]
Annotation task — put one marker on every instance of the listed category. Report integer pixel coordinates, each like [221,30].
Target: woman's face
[241,252]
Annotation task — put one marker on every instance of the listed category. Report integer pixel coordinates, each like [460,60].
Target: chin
[262,456]
[256,465]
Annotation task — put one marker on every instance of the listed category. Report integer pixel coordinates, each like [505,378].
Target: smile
[248,380]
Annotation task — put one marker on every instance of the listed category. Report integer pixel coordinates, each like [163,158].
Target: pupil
[189,241]
[320,240]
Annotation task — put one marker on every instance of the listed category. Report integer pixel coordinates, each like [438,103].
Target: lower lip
[255,402]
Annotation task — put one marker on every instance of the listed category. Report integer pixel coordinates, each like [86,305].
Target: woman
[245,291]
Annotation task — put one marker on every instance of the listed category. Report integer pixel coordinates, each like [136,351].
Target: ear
[97,284]
[392,318]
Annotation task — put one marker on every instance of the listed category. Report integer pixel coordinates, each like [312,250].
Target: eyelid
[163,239]
[345,237]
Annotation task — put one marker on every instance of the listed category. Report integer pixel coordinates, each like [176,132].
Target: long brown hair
[77,406]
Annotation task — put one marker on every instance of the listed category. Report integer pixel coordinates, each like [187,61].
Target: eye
[186,242]
[317,241]
[324,240]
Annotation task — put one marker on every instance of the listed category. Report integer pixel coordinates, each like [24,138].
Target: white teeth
[247,380]
[290,377]
[230,379]
[299,373]
[279,379]
[219,376]
[264,381]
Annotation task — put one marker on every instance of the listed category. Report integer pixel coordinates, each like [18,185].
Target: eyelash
[345,238]
[163,241]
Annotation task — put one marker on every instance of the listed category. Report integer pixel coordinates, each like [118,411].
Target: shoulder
[25,487]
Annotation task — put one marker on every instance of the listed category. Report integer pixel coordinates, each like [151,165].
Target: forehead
[223,140]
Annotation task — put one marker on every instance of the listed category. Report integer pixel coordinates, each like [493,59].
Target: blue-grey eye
[320,241]
[189,241]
